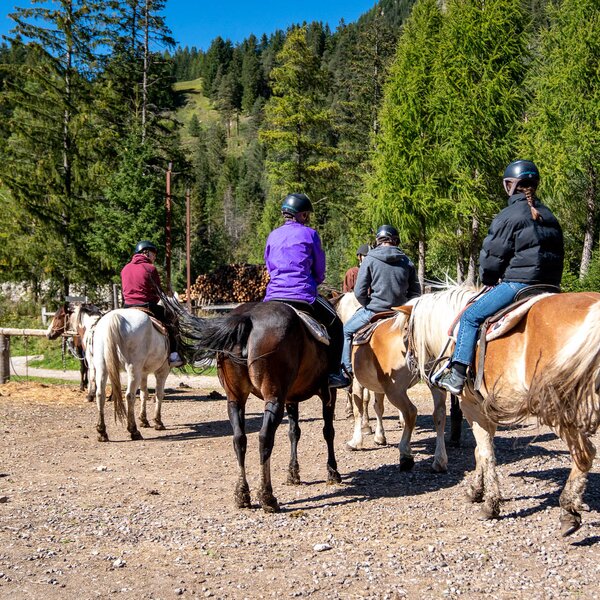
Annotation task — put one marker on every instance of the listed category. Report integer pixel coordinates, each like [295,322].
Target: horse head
[59,323]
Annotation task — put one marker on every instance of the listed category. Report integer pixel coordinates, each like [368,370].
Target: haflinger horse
[358,397]
[125,339]
[263,348]
[59,326]
[380,366]
[547,366]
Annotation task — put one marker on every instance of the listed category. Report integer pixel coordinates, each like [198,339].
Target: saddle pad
[317,330]
[506,322]
[157,324]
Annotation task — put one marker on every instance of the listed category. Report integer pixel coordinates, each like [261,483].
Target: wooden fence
[5,335]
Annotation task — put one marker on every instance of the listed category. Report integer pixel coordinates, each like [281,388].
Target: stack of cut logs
[230,283]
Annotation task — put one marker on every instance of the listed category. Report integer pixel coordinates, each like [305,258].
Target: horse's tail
[201,339]
[564,395]
[114,339]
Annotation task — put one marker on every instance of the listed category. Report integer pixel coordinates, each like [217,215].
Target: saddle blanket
[317,330]
[509,320]
[157,324]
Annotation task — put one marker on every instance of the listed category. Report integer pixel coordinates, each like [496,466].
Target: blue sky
[197,22]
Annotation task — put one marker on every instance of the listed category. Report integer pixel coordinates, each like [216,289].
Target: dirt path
[155,519]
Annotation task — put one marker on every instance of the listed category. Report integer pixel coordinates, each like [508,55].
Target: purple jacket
[295,261]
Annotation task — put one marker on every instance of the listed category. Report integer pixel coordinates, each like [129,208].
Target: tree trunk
[422,254]
[460,259]
[66,138]
[473,245]
[146,65]
[590,218]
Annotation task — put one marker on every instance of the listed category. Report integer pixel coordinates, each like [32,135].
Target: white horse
[125,339]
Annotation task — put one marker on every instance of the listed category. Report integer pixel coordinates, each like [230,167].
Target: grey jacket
[389,275]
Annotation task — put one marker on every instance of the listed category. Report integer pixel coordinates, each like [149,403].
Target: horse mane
[431,317]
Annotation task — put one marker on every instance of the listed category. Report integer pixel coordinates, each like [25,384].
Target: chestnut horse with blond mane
[547,366]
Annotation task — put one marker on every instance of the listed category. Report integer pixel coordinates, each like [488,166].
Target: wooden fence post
[4,358]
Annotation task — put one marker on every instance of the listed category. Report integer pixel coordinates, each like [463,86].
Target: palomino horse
[125,338]
[263,348]
[358,397]
[380,366]
[547,366]
[59,326]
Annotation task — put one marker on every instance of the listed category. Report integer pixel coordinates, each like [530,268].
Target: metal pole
[168,231]
[187,249]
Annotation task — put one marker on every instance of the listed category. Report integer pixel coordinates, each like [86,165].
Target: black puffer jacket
[389,275]
[517,248]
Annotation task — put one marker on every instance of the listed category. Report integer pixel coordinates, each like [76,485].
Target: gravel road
[155,519]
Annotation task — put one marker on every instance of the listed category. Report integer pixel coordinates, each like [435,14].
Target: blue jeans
[359,319]
[486,305]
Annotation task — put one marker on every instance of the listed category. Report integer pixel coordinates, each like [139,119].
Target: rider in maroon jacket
[140,283]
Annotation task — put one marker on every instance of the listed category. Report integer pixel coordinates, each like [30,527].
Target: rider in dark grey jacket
[387,278]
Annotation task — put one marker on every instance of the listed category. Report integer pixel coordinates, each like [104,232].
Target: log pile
[230,283]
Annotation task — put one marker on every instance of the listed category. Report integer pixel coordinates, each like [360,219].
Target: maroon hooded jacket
[140,281]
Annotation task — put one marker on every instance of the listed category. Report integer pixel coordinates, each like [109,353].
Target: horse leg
[440,458]
[571,499]
[484,487]
[272,418]
[365,425]
[456,418]
[356,443]
[100,400]
[143,416]
[349,410]
[399,398]
[294,433]
[133,383]
[161,379]
[236,412]
[328,398]
[82,375]
[380,438]
[91,377]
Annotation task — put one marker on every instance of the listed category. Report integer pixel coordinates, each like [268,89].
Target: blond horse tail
[113,364]
[564,395]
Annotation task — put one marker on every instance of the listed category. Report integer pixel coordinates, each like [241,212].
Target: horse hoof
[569,523]
[136,435]
[90,398]
[102,437]
[270,506]
[367,430]
[488,512]
[407,463]
[144,423]
[473,495]
[380,441]
[333,477]
[243,501]
[159,426]
[352,448]
[436,468]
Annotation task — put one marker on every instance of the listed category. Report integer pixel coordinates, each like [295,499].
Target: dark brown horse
[59,326]
[263,348]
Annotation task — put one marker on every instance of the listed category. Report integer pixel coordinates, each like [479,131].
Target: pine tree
[562,132]
[479,102]
[405,183]
[44,167]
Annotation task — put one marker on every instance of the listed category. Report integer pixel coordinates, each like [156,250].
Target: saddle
[364,334]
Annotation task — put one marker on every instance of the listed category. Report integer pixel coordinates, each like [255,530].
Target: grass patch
[45,380]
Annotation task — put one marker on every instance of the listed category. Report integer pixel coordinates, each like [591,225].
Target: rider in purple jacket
[296,264]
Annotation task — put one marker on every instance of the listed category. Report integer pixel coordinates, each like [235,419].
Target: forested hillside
[407,116]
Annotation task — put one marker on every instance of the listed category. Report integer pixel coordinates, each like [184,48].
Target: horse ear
[407,310]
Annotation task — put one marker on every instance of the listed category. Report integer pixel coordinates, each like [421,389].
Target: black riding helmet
[296,203]
[145,245]
[387,233]
[363,250]
[520,172]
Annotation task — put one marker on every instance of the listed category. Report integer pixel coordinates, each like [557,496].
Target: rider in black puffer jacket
[519,248]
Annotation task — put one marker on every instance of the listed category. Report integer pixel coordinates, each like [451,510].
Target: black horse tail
[200,340]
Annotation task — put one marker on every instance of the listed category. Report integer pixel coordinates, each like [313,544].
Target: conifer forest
[407,116]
